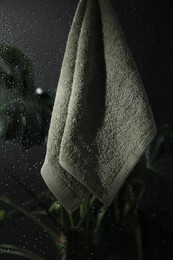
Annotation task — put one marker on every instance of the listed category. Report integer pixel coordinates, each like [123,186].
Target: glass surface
[33,225]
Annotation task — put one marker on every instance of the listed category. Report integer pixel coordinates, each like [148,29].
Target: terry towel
[101,121]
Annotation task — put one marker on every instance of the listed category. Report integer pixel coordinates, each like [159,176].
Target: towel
[101,121]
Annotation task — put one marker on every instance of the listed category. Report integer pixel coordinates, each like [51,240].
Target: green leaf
[100,216]
[160,156]
[2,215]
[5,80]
[19,68]
[84,208]
[54,207]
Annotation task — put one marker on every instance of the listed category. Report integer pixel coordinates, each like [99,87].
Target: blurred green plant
[159,156]
[19,252]
[24,109]
[156,196]
[2,215]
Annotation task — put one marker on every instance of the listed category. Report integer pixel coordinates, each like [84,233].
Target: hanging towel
[101,121]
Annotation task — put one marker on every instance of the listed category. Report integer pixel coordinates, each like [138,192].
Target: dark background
[39,28]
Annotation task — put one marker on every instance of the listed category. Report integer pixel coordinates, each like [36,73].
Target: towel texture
[101,120]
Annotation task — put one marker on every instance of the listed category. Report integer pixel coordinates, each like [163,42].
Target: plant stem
[28,215]
[14,250]
[71,221]
[34,197]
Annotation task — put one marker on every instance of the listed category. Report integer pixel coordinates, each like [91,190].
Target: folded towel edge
[59,188]
[119,179]
[128,168]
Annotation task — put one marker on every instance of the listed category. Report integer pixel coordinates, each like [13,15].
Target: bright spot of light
[39,91]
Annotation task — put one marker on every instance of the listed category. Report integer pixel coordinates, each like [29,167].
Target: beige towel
[101,121]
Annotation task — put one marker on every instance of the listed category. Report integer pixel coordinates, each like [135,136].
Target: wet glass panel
[33,225]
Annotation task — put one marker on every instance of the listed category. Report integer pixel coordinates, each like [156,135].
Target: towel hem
[124,173]
[59,188]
